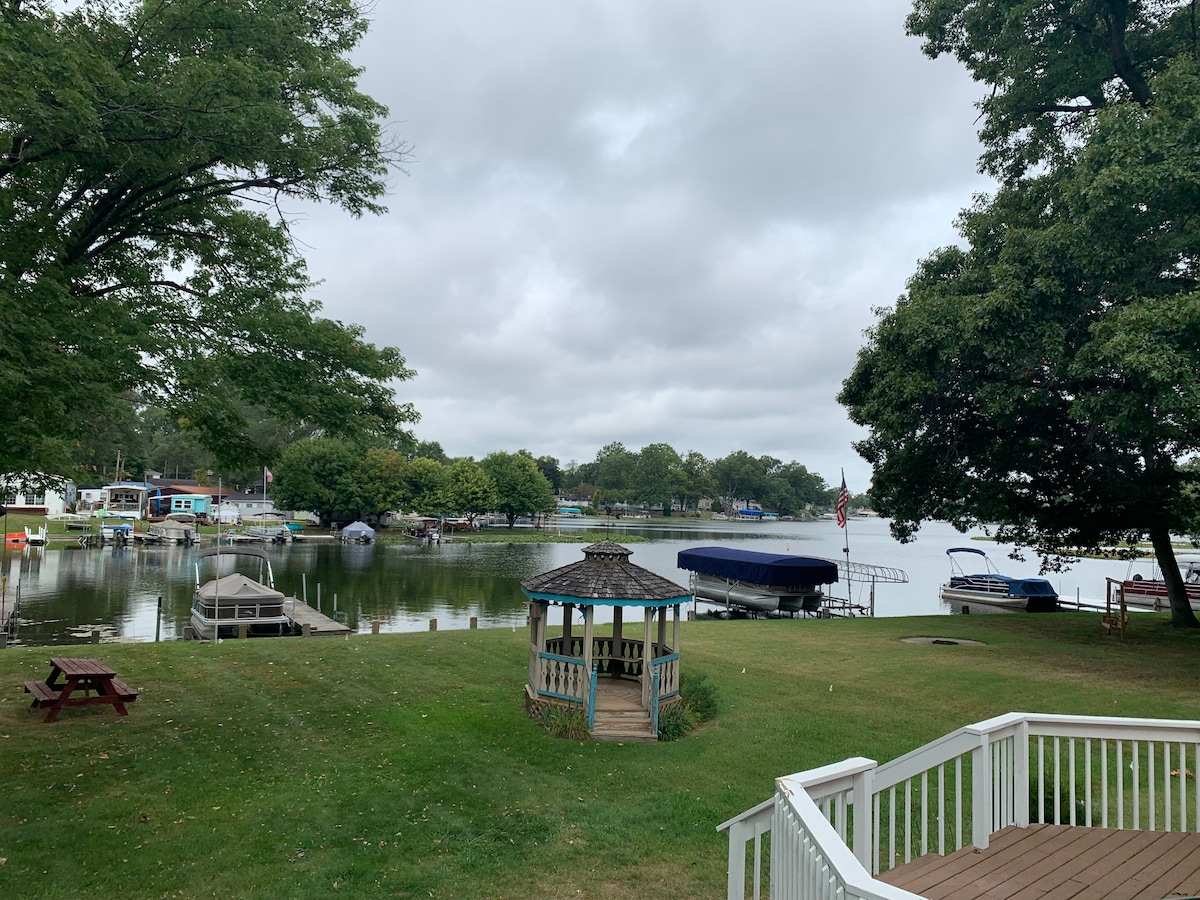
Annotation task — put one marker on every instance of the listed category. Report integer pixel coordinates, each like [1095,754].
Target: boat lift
[866,576]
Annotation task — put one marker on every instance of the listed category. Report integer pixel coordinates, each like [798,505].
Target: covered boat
[226,603]
[358,532]
[759,582]
[990,587]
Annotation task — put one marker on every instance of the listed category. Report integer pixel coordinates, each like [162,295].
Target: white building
[20,497]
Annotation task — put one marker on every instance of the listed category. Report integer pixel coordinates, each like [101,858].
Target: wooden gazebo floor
[1057,862]
[618,693]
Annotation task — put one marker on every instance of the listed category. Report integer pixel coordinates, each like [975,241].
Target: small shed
[620,682]
[359,532]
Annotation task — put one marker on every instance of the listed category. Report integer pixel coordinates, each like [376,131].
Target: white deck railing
[960,789]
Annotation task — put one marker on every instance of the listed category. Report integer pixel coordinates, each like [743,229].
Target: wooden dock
[318,624]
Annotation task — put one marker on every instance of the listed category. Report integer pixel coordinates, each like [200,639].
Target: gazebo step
[623,715]
[622,733]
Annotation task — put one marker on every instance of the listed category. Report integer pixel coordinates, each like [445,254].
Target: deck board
[1060,862]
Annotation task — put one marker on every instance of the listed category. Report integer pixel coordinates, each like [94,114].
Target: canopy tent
[358,531]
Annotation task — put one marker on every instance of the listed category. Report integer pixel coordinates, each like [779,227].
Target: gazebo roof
[604,577]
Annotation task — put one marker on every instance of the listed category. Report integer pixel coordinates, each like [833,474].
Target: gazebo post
[538,613]
[568,608]
[589,619]
[617,640]
[661,649]
[647,655]
[675,629]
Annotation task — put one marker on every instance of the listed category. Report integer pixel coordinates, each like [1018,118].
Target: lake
[67,591]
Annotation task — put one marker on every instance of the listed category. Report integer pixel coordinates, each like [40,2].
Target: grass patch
[404,765]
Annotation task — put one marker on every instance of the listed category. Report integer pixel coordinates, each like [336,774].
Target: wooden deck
[1058,862]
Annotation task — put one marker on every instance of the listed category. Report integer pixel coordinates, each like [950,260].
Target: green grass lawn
[403,765]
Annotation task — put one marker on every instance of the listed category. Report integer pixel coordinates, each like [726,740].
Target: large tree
[1050,65]
[1047,377]
[318,475]
[658,476]
[470,491]
[521,488]
[147,151]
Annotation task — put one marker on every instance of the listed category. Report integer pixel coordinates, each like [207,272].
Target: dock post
[243,632]
[433,624]
[304,586]
[306,630]
[374,626]
[318,596]
[158,620]
[3,640]
[474,622]
[95,635]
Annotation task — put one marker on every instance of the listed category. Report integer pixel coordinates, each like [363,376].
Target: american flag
[843,499]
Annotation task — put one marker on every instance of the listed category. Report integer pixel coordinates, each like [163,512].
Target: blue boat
[758,582]
[990,587]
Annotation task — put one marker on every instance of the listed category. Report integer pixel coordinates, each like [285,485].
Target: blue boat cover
[774,569]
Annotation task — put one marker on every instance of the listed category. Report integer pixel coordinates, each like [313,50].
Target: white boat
[225,604]
[35,537]
[1151,593]
[994,589]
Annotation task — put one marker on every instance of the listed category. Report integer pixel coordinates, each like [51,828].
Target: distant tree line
[341,479]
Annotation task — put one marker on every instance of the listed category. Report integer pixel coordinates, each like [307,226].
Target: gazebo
[619,682]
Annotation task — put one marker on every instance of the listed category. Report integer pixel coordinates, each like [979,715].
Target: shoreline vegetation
[405,764]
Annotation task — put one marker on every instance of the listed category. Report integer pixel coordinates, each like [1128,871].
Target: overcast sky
[646,220]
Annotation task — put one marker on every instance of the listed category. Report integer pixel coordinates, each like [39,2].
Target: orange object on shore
[14,537]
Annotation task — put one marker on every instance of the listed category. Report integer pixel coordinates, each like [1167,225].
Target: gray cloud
[646,222]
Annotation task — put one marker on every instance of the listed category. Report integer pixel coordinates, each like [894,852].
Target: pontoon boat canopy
[774,569]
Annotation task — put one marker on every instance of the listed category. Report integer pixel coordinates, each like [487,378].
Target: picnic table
[70,682]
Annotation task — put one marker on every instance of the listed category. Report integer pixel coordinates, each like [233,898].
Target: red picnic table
[70,675]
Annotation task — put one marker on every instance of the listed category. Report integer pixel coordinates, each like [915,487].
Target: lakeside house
[20,498]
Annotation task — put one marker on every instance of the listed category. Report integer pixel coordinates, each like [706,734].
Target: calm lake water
[67,591]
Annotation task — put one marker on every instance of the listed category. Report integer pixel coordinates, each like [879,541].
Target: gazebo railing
[666,671]
[625,660]
[563,678]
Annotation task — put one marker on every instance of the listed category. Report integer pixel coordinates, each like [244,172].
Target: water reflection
[67,590]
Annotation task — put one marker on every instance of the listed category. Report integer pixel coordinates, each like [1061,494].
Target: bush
[565,722]
[676,721]
[700,695]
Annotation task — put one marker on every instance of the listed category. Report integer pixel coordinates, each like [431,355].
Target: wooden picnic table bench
[70,682]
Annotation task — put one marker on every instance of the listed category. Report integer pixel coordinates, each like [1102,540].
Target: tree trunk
[1182,615]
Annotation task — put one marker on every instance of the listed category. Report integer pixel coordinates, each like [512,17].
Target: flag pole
[843,502]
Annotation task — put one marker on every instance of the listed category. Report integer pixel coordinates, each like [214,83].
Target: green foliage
[1046,377]
[676,721]
[565,722]
[521,488]
[318,475]
[1049,66]
[470,491]
[700,694]
[425,487]
[146,150]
